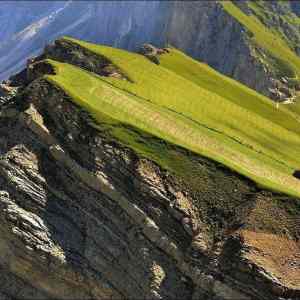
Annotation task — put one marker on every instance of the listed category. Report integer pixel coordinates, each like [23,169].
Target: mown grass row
[209,99]
[208,78]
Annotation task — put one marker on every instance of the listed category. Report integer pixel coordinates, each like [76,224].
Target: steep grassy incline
[206,77]
[280,58]
[197,109]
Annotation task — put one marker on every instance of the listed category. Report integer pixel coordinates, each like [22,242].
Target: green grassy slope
[189,109]
[264,12]
[281,58]
[198,103]
[288,63]
[208,78]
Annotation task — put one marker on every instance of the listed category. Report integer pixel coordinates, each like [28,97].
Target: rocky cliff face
[207,32]
[295,5]
[203,29]
[83,217]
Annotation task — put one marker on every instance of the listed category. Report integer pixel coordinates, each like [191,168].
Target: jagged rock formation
[83,217]
[203,29]
[6,93]
[152,53]
[128,25]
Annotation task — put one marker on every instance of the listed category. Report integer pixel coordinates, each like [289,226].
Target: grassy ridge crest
[185,109]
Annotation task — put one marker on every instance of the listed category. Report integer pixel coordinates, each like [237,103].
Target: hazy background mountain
[28,26]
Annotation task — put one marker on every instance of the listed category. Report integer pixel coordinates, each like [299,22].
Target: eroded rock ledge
[83,217]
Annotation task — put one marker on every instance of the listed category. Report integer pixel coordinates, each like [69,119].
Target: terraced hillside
[280,17]
[181,101]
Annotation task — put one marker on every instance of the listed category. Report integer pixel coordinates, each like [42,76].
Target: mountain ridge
[161,162]
[225,44]
[96,198]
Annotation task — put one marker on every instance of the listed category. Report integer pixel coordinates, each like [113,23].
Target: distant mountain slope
[206,30]
[127,24]
[17,15]
[224,35]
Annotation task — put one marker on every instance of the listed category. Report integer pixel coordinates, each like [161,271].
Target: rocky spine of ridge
[83,217]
